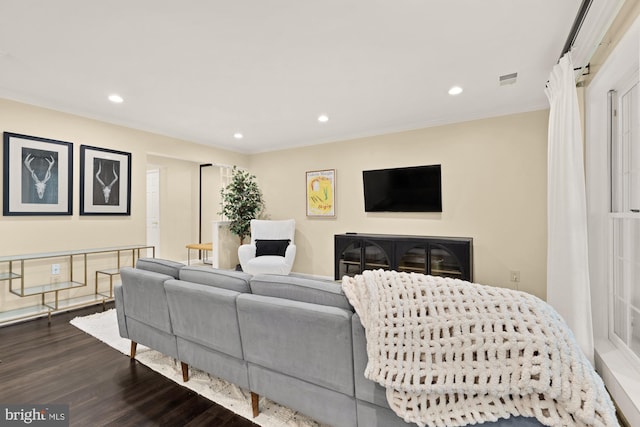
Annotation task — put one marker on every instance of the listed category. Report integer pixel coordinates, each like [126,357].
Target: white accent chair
[267,235]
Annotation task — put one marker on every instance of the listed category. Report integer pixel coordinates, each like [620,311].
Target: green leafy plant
[241,202]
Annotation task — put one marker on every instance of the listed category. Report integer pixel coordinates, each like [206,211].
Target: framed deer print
[105,181]
[38,176]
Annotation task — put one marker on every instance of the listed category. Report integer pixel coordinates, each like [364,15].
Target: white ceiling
[201,70]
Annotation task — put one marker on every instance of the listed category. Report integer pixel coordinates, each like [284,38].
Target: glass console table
[14,269]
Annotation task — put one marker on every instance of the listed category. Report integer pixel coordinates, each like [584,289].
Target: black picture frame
[38,176]
[105,181]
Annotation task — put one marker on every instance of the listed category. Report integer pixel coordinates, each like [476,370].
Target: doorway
[153,210]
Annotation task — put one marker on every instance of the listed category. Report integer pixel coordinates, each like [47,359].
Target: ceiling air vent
[508,79]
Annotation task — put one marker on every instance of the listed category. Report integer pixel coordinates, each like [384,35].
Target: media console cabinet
[13,269]
[437,256]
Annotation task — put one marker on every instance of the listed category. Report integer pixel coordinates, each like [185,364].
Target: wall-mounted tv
[409,189]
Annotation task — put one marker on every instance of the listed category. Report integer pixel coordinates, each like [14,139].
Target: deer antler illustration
[40,185]
[106,189]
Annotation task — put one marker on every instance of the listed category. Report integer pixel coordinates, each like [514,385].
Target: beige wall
[494,190]
[41,234]
[24,234]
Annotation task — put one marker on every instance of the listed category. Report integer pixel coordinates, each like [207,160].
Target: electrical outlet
[514,276]
[55,269]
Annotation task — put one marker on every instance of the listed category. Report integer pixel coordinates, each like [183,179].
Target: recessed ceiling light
[456,90]
[238,135]
[323,118]
[115,98]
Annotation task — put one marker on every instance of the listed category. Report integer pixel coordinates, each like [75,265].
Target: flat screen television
[409,189]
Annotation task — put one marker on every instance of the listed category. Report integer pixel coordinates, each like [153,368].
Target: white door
[153,209]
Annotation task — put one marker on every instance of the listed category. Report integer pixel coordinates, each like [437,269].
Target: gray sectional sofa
[294,340]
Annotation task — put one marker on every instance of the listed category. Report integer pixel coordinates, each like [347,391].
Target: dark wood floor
[58,363]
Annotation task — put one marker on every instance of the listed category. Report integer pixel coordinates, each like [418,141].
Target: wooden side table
[206,247]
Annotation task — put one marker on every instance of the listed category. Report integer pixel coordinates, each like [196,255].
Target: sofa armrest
[245,253]
[290,254]
[118,294]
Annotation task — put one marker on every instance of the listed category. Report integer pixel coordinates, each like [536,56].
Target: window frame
[619,190]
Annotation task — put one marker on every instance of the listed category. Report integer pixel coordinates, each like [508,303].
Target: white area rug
[104,326]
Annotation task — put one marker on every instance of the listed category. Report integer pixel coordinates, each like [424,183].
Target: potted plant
[241,202]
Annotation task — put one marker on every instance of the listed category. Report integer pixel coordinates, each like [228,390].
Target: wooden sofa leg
[254,404]
[185,371]
[133,349]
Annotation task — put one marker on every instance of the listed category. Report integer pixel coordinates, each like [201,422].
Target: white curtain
[568,289]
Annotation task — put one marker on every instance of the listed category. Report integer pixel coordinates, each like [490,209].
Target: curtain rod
[575,28]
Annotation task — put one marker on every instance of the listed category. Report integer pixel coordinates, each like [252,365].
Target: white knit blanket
[453,353]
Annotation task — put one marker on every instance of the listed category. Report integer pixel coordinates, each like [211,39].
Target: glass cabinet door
[414,260]
[375,257]
[444,263]
[350,260]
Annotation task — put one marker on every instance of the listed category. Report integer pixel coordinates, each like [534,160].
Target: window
[609,199]
[226,173]
[624,324]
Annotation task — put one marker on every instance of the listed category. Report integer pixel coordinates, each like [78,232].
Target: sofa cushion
[226,279]
[162,266]
[300,289]
[311,342]
[271,247]
[145,298]
[320,403]
[205,315]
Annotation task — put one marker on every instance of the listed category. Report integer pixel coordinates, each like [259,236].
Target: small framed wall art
[321,192]
[105,181]
[38,176]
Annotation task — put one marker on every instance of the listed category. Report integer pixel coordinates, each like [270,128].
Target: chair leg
[185,371]
[133,349]
[254,404]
